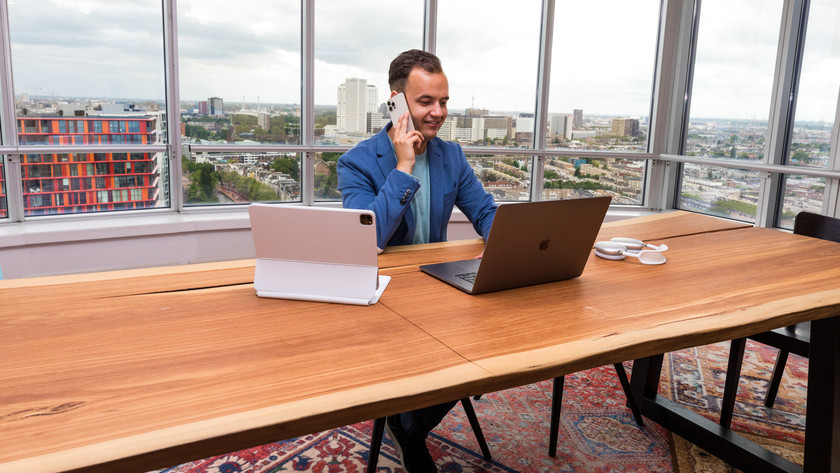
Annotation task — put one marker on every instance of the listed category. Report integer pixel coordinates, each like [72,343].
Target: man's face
[427,94]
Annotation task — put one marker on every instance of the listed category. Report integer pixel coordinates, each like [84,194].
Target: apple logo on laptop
[544,243]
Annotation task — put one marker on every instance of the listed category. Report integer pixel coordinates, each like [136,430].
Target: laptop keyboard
[469,277]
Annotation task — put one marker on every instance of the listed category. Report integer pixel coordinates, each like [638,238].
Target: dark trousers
[418,423]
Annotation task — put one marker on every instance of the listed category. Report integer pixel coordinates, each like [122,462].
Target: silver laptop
[316,254]
[530,243]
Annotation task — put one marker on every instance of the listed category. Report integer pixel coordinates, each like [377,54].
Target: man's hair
[406,62]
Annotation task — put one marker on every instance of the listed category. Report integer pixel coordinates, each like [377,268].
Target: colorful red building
[89,182]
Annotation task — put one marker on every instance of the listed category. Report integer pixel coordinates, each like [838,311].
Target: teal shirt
[420,201]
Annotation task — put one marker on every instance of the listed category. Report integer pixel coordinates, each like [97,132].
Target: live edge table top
[146,368]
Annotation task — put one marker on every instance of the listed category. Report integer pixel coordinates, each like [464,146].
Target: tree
[801,156]
[288,166]
[203,181]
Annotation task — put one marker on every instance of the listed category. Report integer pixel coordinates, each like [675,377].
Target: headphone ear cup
[608,256]
[629,243]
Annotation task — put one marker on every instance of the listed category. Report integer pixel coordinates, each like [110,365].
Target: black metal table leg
[556,401]
[479,435]
[375,443]
[822,415]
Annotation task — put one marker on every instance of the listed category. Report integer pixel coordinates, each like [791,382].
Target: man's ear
[393,93]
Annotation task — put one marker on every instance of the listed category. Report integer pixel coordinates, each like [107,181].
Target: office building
[625,127]
[525,123]
[216,106]
[356,98]
[560,127]
[578,114]
[58,183]
[264,121]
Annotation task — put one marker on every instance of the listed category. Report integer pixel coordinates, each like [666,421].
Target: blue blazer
[368,179]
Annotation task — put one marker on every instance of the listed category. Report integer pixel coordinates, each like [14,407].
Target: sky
[602,55]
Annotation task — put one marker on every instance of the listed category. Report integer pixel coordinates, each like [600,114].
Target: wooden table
[142,369]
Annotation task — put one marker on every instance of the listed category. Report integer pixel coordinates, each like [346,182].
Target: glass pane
[725,192]
[569,178]
[93,182]
[490,54]
[326,177]
[600,95]
[819,82]
[591,106]
[239,178]
[508,178]
[730,103]
[355,43]
[802,194]
[74,60]
[239,71]
[816,108]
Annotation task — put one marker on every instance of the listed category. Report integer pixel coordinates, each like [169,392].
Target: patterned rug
[597,433]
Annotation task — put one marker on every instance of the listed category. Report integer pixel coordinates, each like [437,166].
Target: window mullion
[541,109]
[173,103]
[782,103]
[8,123]
[307,109]
[669,96]
[831,199]
[430,26]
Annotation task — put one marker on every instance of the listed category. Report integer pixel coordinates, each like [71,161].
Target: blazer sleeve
[390,202]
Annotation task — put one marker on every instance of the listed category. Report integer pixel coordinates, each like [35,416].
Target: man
[411,179]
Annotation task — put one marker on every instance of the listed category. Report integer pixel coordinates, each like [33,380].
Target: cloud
[602,54]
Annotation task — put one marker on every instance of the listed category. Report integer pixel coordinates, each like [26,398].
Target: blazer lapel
[385,157]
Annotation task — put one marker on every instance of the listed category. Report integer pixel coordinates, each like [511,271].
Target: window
[240,74]
[66,75]
[600,97]
[55,53]
[730,104]
[814,116]
[240,71]
[491,64]
[230,178]
[351,64]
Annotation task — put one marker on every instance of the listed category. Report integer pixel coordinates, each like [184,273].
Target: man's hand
[405,144]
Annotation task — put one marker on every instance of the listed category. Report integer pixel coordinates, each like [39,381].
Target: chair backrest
[817,226]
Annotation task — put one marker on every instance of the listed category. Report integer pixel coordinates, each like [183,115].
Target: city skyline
[213,60]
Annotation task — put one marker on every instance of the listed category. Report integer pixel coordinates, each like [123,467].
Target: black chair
[794,339]
[557,400]
[379,429]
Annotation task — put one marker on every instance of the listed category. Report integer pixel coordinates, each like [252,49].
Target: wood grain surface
[122,370]
[147,368]
[715,286]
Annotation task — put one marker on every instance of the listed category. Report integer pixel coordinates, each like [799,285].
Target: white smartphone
[397,106]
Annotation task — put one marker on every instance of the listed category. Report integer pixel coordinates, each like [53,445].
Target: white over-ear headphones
[619,248]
